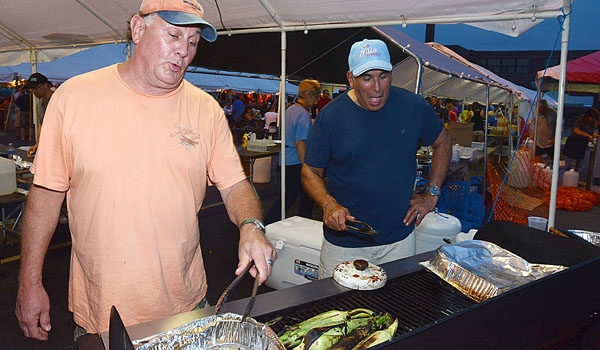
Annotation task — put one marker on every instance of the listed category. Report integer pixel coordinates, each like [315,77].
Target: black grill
[558,311]
[416,299]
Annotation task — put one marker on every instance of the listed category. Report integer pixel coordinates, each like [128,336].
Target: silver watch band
[254,221]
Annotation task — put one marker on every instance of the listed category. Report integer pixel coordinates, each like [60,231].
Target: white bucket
[537,222]
[430,234]
[8,177]
[262,170]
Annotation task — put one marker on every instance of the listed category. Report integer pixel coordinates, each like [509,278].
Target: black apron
[576,146]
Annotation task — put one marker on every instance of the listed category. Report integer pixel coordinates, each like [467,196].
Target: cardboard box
[298,244]
[461,133]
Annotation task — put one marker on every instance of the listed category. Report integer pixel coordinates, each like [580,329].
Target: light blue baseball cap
[367,55]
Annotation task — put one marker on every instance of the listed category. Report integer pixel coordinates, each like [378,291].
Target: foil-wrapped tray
[592,237]
[482,270]
[224,331]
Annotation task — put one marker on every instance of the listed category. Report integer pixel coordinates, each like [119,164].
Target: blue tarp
[105,55]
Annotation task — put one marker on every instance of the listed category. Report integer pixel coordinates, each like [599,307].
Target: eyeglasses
[35,88]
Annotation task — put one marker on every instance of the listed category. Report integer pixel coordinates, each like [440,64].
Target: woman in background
[477,118]
[577,143]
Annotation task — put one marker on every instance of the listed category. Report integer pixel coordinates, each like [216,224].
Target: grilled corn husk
[294,335]
[335,330]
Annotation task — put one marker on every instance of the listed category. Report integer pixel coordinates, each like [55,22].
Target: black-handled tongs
[234,283]
[252,297]
[360,226]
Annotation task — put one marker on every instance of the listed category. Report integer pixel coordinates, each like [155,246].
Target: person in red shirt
[323,100]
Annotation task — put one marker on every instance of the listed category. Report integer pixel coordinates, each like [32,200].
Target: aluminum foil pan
[224,331]
[482,270]
[592,237]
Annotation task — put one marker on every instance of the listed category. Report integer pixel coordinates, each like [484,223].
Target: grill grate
[415,299]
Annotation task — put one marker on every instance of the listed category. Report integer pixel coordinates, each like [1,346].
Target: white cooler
[298,244]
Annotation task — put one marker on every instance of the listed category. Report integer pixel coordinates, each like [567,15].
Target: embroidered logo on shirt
[186,136]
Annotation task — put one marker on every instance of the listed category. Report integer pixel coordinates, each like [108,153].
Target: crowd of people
[245,115]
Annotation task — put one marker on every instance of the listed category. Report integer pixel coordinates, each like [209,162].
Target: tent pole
[267,6]
[508,114]
[282,113]
[559,114]
[34,109]
[485,147]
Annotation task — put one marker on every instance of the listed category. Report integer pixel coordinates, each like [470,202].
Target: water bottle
[11,151]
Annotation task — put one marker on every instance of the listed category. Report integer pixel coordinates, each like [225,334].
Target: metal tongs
[360,226]
[234,283]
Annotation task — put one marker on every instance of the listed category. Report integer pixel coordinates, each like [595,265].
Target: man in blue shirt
[237,108]
[367,140]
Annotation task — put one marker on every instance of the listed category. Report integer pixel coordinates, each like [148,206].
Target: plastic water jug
[571,178]
[430,234]
[548,174]
[537,174]
[455,155]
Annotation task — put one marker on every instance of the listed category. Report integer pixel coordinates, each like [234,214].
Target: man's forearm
[312,181]
[440,159]
[241,202]
[39,223]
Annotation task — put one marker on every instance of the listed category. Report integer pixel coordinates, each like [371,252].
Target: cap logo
[367,51]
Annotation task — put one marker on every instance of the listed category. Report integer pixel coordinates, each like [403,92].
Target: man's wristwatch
[254,221]
[434,191]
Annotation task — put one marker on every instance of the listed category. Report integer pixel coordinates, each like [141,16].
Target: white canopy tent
[443,74]
[30,29]
[45,30]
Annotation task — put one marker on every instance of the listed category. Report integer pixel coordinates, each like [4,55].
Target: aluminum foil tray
[592,237]
[223,331]
[482,270]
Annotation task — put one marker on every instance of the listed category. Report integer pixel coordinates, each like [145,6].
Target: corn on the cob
[321,338]
[353,337]
[292,337]
[378,337]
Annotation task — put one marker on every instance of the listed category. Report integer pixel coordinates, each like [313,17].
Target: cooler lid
[297,230]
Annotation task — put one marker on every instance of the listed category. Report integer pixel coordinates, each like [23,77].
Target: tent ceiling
[41,25]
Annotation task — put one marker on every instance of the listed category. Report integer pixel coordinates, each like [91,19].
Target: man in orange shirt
[133,147]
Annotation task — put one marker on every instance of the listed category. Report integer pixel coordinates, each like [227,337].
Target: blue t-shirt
[370,159]
[297,128]
[237,108]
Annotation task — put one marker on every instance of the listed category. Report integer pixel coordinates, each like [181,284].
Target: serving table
[12,205]
[252,156]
